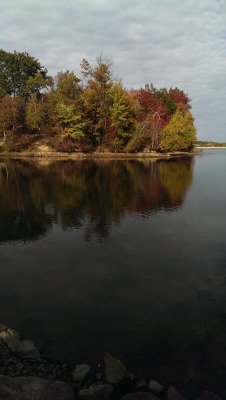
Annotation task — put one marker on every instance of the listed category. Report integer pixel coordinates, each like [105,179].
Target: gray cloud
[167,43]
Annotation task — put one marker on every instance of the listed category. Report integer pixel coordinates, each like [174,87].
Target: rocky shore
[25,375]
[41,149]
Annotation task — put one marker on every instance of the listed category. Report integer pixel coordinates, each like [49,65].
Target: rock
[209,396]
[140,396]
[141,384]
[22,348]
[4,350]
[115,371]
[6,333]
[81,372]
[3,328]
[98,392]
[98,376]
[30,388]
[173,394]
[155,386]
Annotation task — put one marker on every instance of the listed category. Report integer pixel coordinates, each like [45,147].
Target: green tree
[122,115]
[49,105]
[5,82]
[180,133]
[69,122]
[67,87]
[36,84]
[16,71]
[34,113]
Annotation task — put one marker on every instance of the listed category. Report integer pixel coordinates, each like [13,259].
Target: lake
[126,256]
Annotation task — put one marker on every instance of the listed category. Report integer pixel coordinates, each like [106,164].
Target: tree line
[96,111]
[203,143]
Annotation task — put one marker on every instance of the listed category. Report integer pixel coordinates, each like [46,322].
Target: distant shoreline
[210,147]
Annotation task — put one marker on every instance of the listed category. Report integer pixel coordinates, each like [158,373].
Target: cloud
[168,43]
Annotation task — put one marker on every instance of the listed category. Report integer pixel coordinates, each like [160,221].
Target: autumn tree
[49,103]
[95,111]
[121,114]
[155,108]
[34,113]
[11,114]
[151,117]
[95,97]
[152,99]
[179,97]
[180,133]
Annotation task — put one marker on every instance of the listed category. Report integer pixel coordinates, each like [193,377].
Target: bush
[64,144]
[19,143]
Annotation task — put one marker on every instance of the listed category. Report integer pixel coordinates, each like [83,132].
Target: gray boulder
[115,371]
[209,396]
[80,372]
[4,350]
[140,396]
[2,328]
[21,348]
[30,388]
[155,387]
[98,392]
[6,333]
[141,384]
[173,394]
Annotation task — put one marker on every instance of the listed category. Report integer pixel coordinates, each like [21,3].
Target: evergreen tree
[69,122]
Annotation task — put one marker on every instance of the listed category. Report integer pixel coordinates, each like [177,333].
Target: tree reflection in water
[37,194]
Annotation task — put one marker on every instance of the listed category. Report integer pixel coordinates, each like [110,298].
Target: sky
[170,43]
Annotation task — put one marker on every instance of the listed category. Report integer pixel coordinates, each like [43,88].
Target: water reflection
[97,194]
[150,290]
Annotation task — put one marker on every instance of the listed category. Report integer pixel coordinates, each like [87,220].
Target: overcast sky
[165,42]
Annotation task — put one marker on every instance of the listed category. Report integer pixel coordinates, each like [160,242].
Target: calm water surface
[121,256]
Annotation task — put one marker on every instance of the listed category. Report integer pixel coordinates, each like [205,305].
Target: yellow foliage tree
[180,132]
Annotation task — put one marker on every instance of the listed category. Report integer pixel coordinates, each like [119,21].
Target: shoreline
[25,374]
[97,155]
[210,147]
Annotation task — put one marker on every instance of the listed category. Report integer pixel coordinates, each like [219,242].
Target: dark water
[121,256]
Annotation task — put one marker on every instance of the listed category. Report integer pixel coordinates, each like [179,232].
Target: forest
[90,113]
